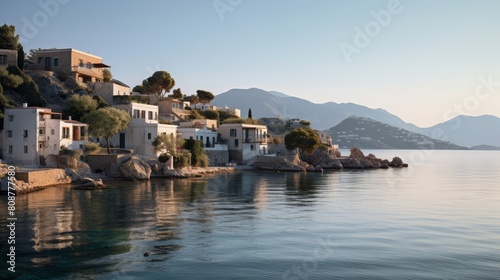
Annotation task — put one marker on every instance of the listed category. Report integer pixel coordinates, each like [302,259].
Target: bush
[140,99]
[182,160]
[91,148]
[71,153]
[239,120]
[63,76]
[163,157]
[164,121]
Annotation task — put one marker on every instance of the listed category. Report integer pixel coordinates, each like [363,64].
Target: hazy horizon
[424,61]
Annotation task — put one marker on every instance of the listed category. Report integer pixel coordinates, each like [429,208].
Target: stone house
[84,67]
[142,130]
[8,57]
[108,90]
[244,141]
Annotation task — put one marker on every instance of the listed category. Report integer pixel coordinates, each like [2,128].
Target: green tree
[160,83]
[303,138]
[8,38]
[139,89]
[106,122]
[106,75]
[210,114]
[204,96]
[9,80]
[224,115]
[165,143]
[177,94]
[28,89]
[10,41]
[198,155]
[193,99]
[80,105]
[305,123]
[101,103]
[249,113]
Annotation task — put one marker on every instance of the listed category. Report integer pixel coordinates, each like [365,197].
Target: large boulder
[135,168]
[325,158]
[277,163]
[351,163]
[83,168]
[356,153]
[396,162]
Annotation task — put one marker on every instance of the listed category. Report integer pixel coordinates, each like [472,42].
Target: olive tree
[106,122]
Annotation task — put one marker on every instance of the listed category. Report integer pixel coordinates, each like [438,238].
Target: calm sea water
[437,219]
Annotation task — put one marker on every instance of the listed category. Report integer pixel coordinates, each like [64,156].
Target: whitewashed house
[142,130]
[204,130]
[244,141]
[32,132]
[109,90]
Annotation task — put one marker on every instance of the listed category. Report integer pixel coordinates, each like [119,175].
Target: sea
[437,219]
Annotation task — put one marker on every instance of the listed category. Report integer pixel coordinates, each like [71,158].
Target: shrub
[163,157]
[91,148]
[63,76]
[182,160]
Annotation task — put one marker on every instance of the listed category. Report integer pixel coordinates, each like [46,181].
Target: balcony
[93,72]
[41,123]
[42,138]
[256,140]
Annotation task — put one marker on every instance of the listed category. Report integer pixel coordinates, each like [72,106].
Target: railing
[95,72]
[257,140]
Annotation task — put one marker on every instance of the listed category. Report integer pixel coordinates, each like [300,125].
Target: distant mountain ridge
[371,134]
[462,130]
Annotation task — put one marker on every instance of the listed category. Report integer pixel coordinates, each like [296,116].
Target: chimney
[25,105]
[69,118]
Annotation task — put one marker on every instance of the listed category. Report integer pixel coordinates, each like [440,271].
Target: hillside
[371,134]
[322,116]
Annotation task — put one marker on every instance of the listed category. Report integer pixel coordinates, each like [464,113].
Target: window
[11,118]
[149,136]
[3,59]
[56,61]
[52,132]
[236,143]
[80,62]
[89,65]
[190,137]
[150,115]
[143,114]
[40,131]
[201,138]
[10,149]
[40,59]
[25,149]
[137,114]
[25,134]
[232,132]
[251,147]
[65,132]
[40,145]
[55,146]
[9,133]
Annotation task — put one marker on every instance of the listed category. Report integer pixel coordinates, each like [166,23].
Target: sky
[425,61]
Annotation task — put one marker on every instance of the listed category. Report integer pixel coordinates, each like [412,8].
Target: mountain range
[462,130]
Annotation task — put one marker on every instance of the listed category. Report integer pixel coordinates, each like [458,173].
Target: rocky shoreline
[325,159]
[132,167]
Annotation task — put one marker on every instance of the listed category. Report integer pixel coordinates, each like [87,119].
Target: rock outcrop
[89,184]
[129,167]
[276,163]
[55,161]
[325,158]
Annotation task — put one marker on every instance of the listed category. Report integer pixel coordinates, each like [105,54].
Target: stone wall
[44,177]
[101,162]
[217,158]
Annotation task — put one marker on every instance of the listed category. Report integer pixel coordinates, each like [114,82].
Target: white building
[244,141]
[204,130]
[32,132]
[233,111]
[142,130]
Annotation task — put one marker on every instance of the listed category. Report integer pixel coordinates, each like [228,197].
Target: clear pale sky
[422,65]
